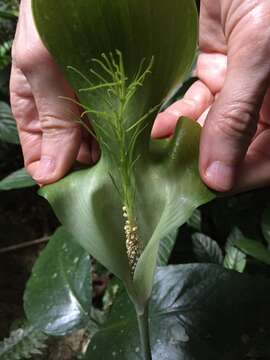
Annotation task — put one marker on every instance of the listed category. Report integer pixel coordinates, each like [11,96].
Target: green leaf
[266,225]
[255,249]
[4,80]
[168,187]
[8,15]
[195,221]
[206,249]
[165,248]
[23,343]
[17,180]
[198,311]
[57,298]
[5,50]
[235,259]
[8,129]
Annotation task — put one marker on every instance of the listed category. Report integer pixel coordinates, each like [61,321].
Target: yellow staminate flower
[133,243]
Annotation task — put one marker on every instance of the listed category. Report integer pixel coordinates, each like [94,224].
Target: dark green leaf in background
[8,129]
[255,249]
[8,15]
[17,180]
[235,259]
[206,249]
[195,221]
[198,312]
[4,81]
[58,295]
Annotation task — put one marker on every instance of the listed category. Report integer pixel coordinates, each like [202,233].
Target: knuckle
[54,125]
[237,121]
[31,57]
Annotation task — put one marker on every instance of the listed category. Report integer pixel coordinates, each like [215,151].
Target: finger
[232,122]
[89,152]
[255,170]
[61,135]
[26,115]
[197,99]
[211,70]
[253,173]
[201,120]
[265,110]
[84,155]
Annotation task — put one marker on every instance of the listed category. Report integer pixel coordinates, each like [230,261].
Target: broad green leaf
[58,297]
[165,248]
[17,180]
[266,225]
[235,259]
[206,249]
[8,129]
[167,183]
[198,311]
[255,249]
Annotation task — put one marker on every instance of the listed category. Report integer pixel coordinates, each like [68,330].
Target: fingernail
[45,168]
[220,176]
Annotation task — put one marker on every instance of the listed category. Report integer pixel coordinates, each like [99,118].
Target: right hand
[232,96]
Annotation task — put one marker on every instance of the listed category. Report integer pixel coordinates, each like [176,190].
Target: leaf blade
[8,129]
[17,180]
[57,298]
[188,304]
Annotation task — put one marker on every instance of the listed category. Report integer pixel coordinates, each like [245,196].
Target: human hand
[231,97]
[51,140]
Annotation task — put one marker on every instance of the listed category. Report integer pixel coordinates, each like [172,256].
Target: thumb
[232,122]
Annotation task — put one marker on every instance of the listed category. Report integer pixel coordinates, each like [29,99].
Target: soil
[24,216]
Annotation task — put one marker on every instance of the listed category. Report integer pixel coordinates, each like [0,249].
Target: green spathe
[167,183]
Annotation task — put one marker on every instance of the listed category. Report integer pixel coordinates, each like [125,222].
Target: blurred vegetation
[8,11]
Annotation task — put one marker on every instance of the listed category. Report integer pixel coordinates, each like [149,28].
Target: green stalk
[143,322]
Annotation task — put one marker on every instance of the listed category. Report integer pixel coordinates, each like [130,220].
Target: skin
[51,139]
[231,97]
[231,100]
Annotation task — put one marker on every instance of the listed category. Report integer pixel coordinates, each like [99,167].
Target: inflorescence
[111,124]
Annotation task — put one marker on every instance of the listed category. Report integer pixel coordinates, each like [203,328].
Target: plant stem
[143,322]
[24,245]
